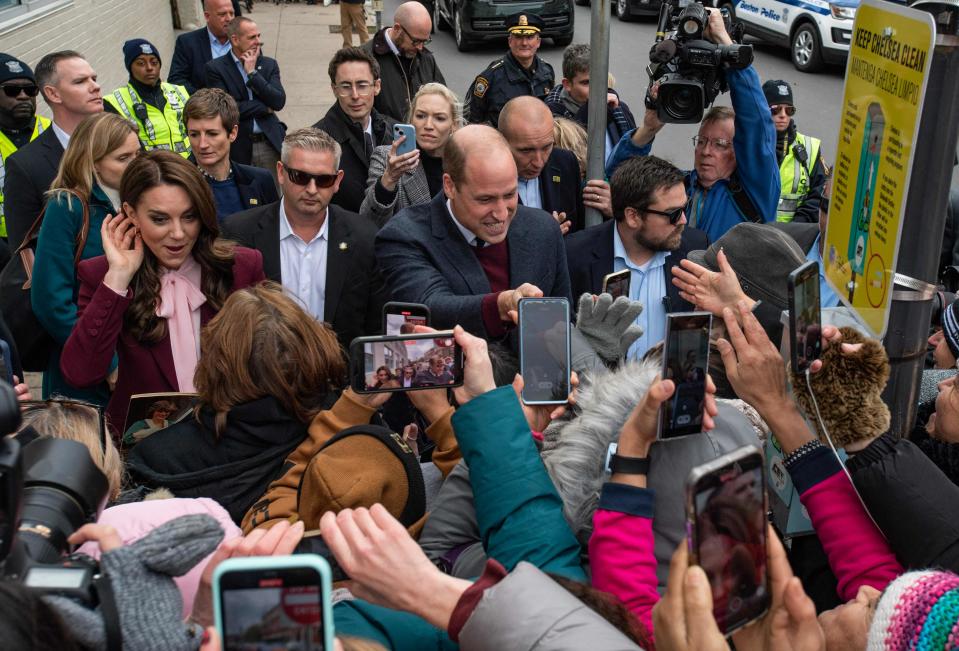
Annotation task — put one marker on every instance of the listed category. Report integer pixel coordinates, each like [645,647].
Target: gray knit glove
[147,599]
[608,325]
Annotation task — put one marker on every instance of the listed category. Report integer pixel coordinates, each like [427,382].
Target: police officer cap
[13,68]
[778,91]
[137,47]
[524,24]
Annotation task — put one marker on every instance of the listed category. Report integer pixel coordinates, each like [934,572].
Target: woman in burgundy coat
[163,276]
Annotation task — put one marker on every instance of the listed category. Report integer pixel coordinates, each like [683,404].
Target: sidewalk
[303,39]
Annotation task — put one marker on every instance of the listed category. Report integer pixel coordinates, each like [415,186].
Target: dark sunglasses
[304,178]
[673,215]
[13,90]
[30,406]
[776,108]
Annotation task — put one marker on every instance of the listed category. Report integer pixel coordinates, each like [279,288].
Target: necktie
[369,144]
[479,244]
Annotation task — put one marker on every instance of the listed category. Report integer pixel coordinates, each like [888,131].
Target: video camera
[49,488]
[688,68]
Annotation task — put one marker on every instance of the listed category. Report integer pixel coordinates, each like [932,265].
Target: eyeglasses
[31,406]
[14,90]
[416,41]
[673,215]
[303,178]
[776,109]
[363,88]
[700,142]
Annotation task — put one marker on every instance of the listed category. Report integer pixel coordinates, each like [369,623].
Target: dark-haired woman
[164,275]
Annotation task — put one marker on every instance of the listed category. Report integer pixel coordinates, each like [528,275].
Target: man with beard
[19,122]
[405,63]
[648,236]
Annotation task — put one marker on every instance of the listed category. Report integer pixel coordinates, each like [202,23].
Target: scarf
[180,301]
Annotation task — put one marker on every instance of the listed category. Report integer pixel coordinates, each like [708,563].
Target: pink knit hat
[919,610]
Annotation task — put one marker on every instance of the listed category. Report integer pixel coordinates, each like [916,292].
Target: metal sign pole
[598,85]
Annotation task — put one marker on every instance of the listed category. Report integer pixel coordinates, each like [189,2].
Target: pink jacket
[135,520]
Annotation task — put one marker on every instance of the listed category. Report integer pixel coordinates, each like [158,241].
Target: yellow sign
[889,57]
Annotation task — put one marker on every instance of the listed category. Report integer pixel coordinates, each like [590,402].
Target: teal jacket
[55,284]
[520,517]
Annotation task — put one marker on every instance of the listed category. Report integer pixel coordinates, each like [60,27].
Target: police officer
[520,72]
[154,105]
[801,170]
[19,122]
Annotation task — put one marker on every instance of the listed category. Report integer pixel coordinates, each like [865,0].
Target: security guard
[154,105]
[19,122]
[801,169]
[520,72]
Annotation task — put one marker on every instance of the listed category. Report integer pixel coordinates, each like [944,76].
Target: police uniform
[160,127]
[505,78]
[11,68]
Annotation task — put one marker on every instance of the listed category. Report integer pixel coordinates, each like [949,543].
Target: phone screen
[730,540]
[686,364]
[617,284]
[804,313]
[544,350]
[405,363]
[279,608]
[404,321]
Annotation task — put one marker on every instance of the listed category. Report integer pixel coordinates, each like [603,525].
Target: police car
[815,31]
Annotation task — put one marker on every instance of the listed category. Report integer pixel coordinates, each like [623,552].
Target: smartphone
[544,354]
[401,318]
[407,145]
[805,319]
[617,284]
[726,534]
[273,602]
[405,362]
[685,362]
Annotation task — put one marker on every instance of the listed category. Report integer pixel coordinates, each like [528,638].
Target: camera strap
[111,616]
[742,200]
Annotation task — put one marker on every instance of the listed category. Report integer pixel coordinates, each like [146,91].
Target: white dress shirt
[467,234]
[303,264]
[528,190]
[61,135]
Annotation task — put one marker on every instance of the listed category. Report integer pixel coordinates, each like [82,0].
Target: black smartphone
[617,284]
[685,362]
[544,355]
[405,362]
[401,318]
[726,526]
[805,318]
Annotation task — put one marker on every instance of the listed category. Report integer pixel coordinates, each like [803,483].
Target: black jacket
[589,255]
[561,189]
[256,186]
[190,55]
[234,469]
[355,161]
[355,291]
[268,97]
[29,172]
[398,88]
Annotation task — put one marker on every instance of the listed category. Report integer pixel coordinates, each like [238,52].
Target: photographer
[736,176]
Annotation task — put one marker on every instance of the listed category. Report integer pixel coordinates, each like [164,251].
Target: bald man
[549,177]
[405,63]
[193,50]
[473,251]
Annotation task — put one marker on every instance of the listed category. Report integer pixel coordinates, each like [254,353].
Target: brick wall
[96,29]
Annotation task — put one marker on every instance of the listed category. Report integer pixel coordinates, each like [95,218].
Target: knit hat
[137,47]
[950,327]
[13,68]
[919,610]
[778,91]
[362,466]
[848,391]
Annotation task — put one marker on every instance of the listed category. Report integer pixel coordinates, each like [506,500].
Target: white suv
[815,31]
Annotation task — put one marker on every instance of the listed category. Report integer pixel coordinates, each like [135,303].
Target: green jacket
[520,517]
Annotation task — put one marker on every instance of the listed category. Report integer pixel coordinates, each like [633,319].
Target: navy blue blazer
[589,255]
[561,187]
[268,97]
[425,259]
[190,55]
[256,185]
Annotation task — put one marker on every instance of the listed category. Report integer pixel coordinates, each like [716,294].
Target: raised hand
[709,290]
[123,248]
[397,166]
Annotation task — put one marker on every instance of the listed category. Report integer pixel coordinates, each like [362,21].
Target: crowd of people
[181,249]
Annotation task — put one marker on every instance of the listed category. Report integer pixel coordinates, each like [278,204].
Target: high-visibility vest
[794,176]
[161,129]
[6,148]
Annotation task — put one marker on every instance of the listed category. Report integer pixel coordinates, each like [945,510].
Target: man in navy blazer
[195,49]
[549,177]
[473,252]
[642,239]
[253,80]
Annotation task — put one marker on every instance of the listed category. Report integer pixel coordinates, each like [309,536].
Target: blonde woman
[568,134]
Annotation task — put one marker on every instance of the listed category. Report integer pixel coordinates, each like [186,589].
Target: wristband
[629,465]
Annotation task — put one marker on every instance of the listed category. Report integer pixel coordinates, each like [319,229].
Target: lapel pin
[254,201]
[556,179]
[344,246]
